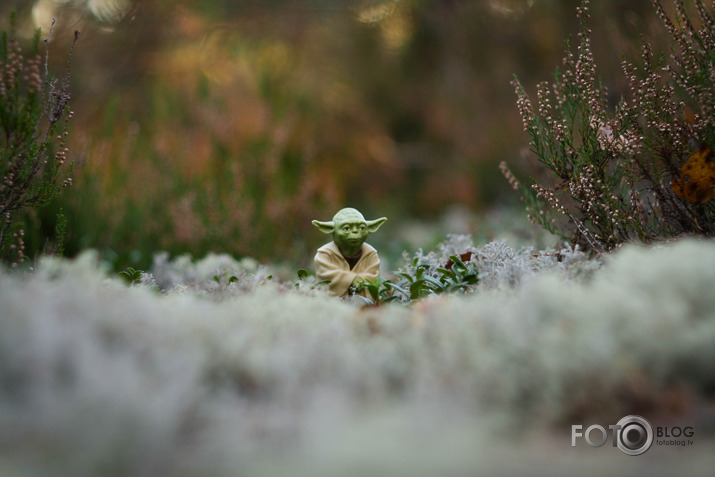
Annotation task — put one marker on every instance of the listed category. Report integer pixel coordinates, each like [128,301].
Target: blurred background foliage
[227,126]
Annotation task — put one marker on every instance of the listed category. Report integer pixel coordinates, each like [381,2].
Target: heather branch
[31,108]
[615,167]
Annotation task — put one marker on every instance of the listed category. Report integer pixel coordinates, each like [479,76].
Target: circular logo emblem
[635,435]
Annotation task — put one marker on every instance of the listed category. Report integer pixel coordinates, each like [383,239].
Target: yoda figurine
[347,262]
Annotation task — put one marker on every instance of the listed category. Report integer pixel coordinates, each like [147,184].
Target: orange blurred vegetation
[227,126]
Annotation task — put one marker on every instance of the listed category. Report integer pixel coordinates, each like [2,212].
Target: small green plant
[309,281]
[455,277]
[34,165]
[642,171]
[420,284]
[302,274]
[458,276]
[384,291]
[131,275]
[231,279]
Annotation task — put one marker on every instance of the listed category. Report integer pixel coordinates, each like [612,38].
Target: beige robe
[331,265]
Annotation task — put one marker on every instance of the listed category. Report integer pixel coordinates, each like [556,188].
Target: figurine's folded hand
[358,282]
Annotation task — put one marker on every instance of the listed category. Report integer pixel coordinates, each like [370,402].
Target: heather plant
[34,129]
[643,170]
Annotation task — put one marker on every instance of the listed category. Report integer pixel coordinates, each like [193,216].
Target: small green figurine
[348,261]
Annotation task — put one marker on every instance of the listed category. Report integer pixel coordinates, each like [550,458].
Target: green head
[350,230]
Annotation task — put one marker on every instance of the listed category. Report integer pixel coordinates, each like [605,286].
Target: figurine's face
[350,233]
[349,229]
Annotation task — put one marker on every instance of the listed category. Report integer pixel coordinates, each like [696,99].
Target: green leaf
[447,273]
[458,263]
[373,290]
[131,274]
[404,292]
[434,282]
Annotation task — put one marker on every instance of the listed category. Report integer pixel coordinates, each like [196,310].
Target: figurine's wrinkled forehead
[348,216]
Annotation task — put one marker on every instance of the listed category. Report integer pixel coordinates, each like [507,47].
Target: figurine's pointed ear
[325,227]
[374,225]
